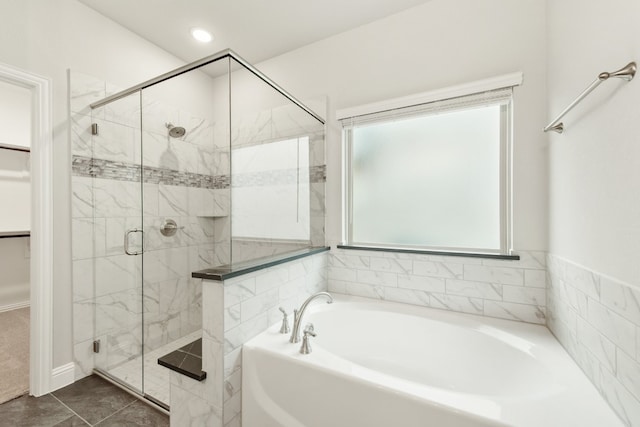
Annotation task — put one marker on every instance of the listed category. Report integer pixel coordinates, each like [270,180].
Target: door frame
[41,240]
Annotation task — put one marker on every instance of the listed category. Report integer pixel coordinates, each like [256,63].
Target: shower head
[175,131]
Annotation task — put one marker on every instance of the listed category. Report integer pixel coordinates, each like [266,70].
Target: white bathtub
[384,364]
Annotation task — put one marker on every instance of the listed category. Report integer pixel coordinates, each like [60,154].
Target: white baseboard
[15,306]
[62,376]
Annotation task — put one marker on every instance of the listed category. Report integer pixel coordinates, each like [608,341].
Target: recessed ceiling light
[201,35]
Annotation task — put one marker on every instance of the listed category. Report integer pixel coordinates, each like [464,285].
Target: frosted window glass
[429,181]
[270,190]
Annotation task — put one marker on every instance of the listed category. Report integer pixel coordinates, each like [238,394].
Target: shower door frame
[200,63]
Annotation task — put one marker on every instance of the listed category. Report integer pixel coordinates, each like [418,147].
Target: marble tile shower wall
[272,125]
[183,180]
[514,290]
[235,311]
[597,320]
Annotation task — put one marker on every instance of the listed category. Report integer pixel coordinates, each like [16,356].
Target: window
[433,176]
[270,196]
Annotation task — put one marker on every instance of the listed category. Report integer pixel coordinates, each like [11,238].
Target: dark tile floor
[92,401]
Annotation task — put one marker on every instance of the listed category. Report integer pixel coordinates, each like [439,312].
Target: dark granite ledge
[186,360]
[513,257]
[225,272]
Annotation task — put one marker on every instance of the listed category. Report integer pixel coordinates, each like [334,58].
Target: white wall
[594,172]
[438,44]
[47,38]
[594,197]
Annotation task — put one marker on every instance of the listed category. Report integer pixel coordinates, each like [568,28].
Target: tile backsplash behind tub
[508,289]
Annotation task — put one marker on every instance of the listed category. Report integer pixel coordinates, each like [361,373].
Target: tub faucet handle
[306,345]
[309,330]
[284,329]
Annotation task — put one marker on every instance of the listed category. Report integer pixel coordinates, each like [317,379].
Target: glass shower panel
[118,240]
[277,164]
[185,164]
[157,183]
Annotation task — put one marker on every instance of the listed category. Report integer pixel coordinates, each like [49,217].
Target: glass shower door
[184,159]
[118,240]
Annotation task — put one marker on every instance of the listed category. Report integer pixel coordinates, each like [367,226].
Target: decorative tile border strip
[96,168]
[279,177]
[185,179]
[108,169]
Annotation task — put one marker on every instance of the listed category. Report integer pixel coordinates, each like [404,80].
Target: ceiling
[256,29]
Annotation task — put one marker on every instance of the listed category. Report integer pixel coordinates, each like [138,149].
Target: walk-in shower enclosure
[208,165]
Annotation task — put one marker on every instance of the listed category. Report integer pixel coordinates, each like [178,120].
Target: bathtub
[377,363]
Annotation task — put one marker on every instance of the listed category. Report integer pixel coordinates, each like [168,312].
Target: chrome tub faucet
[297,315]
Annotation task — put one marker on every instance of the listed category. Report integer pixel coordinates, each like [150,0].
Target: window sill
[428,252]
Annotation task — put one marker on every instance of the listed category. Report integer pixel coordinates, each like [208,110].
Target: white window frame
[412,105]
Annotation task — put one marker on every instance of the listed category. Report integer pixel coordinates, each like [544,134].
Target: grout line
[119,410]
[72,411]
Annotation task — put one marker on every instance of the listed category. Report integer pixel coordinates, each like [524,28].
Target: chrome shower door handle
[126,241]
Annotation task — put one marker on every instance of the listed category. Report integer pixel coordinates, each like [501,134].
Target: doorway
[37,248]
[15,229]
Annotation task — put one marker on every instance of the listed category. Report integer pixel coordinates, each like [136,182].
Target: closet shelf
[9,234]
[14,147]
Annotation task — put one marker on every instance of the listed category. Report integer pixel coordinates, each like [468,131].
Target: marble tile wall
[514,290]
[235,311]
[597,320]
[181,181]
